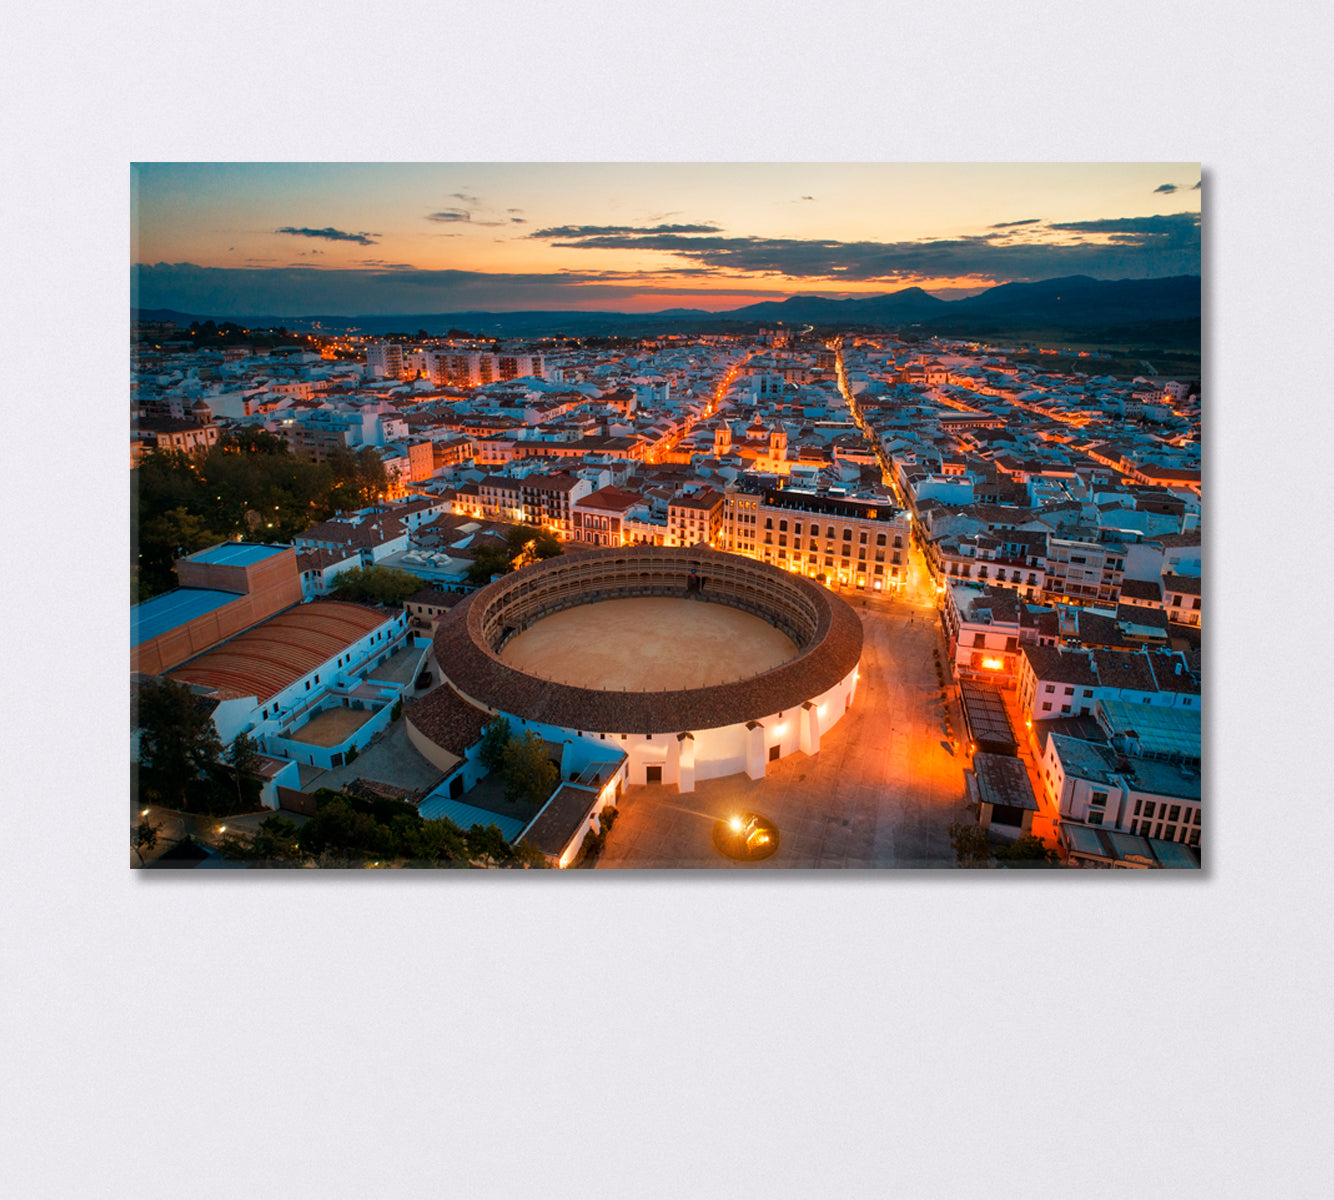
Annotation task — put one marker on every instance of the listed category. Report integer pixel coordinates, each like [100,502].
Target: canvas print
[697,516]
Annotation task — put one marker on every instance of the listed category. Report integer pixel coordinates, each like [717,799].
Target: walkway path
[880,793]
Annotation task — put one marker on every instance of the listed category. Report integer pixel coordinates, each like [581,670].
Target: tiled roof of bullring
[276,653]
[478,672]
[447,719]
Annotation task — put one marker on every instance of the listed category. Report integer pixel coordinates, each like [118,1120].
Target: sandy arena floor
[648,643]
[332,726]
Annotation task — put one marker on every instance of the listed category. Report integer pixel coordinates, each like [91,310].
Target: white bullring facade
[670,736]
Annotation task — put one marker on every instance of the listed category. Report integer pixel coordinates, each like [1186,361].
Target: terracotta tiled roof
[276,653]
[478,672]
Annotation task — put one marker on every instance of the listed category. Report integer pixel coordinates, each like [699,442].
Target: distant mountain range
[1075,306]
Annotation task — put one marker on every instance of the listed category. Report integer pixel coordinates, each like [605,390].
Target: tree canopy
[495,737]
[248,484]
[349,830]
[376,585]
[1027,851]
[177,742]
[972,846]
[522,543]
[526,770]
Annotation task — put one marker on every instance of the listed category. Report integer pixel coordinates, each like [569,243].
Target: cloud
[801,198]
[518,221]
[331,234]
[597,231]
[709,270]
[1166,189]
[1012,224]
[465,216]
[463,197]
[1174,227]
[1118,248]
[1199,183]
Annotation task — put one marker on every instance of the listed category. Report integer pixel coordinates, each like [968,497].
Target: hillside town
[1046,523]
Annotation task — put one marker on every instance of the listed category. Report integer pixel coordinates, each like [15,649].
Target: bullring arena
[695,664]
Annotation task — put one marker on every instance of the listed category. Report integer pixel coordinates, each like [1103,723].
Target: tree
[243,759]
[486,844]
[972,846]
[1027,851]
[488,561]
[178,742]
[145,837]
[546,545]
[376,585]
[527,771]
[495,737]
[275,841]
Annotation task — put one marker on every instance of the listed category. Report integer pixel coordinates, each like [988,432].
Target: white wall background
[723,1034]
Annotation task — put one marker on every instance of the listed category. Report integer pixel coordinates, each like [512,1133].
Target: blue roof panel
[465,816]
[155,617]
[237,554]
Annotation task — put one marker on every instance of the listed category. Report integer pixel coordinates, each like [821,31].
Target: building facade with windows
[841,542]
[1091,784]
[1058,682]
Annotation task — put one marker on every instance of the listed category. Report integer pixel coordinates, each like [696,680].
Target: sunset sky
[293,239]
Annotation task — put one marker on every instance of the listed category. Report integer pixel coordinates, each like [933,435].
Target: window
[1088,693]
[980,639]
[1065,708]
[847,535]
[1069,691]
[862,539]
[1047,707]
[1149,806]
[1098,799]
[1095,818]
[1174,813]
[1051,687]
[880,539]
[1138,805]
[782,525]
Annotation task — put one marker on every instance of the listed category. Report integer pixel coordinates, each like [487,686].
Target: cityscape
[689,516]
